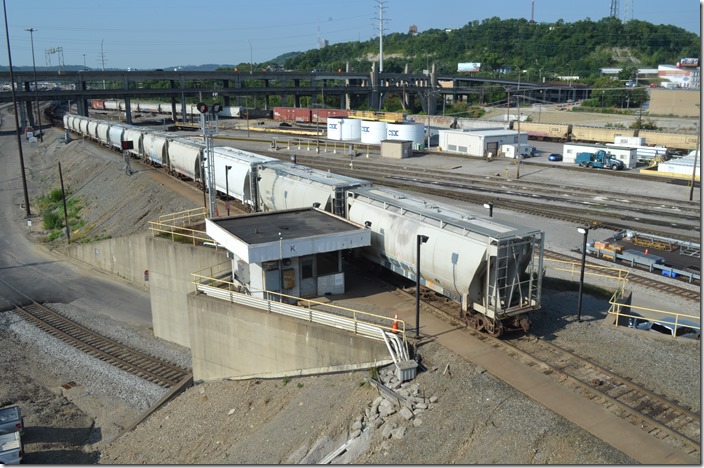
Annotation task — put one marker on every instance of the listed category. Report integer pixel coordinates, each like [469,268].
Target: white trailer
[622,153]
[645,154]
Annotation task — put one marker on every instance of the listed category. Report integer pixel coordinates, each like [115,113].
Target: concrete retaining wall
[233,341]
[125,257]
[170,267]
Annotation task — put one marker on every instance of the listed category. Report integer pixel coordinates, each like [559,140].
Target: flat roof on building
[259,228]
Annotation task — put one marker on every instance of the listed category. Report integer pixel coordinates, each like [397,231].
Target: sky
[149,34]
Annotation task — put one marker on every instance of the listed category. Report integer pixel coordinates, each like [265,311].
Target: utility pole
[17,121]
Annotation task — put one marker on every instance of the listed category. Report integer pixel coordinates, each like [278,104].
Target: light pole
[36,91]
[694,166]
[84,61]
[421,239]
[585,232]
[490,206]
[227,189]
[17,122]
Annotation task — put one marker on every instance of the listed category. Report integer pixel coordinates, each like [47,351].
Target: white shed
[478,142]
[626,154]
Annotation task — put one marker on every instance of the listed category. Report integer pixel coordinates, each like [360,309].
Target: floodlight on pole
[585,232]
[36,90]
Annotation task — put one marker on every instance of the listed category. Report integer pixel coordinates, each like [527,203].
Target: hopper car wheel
[494,328]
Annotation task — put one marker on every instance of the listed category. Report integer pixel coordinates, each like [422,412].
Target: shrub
[51,220]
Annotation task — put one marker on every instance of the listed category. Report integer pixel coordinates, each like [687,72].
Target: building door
[308,276]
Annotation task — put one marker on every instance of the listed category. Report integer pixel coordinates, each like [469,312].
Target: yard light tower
[36,90]
[585,232]
[421,239]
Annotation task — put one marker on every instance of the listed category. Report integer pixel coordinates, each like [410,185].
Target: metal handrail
[621,276]
[358,322]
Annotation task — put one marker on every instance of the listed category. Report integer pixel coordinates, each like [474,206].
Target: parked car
[555,157]
[666,325]
[11,420]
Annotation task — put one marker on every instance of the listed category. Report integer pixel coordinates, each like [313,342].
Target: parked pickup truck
[11,420]
[11,450]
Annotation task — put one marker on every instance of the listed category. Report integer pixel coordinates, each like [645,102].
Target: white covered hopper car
[492,269]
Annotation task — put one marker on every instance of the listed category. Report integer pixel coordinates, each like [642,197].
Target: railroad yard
[474,416]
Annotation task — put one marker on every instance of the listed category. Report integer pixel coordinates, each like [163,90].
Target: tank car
[491,269]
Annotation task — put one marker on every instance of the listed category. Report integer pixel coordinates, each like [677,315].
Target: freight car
[678,141]
[589,134]
[546,131]
[492,269]
[586,134]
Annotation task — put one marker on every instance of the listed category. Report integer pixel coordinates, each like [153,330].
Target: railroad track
[112,352]
[670,289]
[538,199]
[655,414]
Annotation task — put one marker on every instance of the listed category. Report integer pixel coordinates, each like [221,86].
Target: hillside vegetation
[542,49]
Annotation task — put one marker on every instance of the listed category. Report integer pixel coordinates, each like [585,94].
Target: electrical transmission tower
[59,51]
[382,21]
[628,11]
[615,11]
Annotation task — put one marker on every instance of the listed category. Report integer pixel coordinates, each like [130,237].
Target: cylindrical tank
[406,131]
[373,132]
[342,128]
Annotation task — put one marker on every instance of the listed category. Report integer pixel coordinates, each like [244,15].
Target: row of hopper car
[604,135]
[491,269]
[304,115]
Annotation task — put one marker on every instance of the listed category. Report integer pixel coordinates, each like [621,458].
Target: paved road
[42,275]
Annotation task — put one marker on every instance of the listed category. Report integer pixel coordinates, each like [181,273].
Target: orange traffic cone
[394,326]
[646,251]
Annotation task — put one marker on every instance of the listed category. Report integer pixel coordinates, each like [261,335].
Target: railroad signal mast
[209,127]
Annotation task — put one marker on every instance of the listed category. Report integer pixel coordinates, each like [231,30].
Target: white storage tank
[342,128]
[406,131]
[373,132]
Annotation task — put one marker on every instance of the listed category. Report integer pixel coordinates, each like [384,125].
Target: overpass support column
[28,105]
[182,85]
[375,96]
[128,111]
[226,98]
